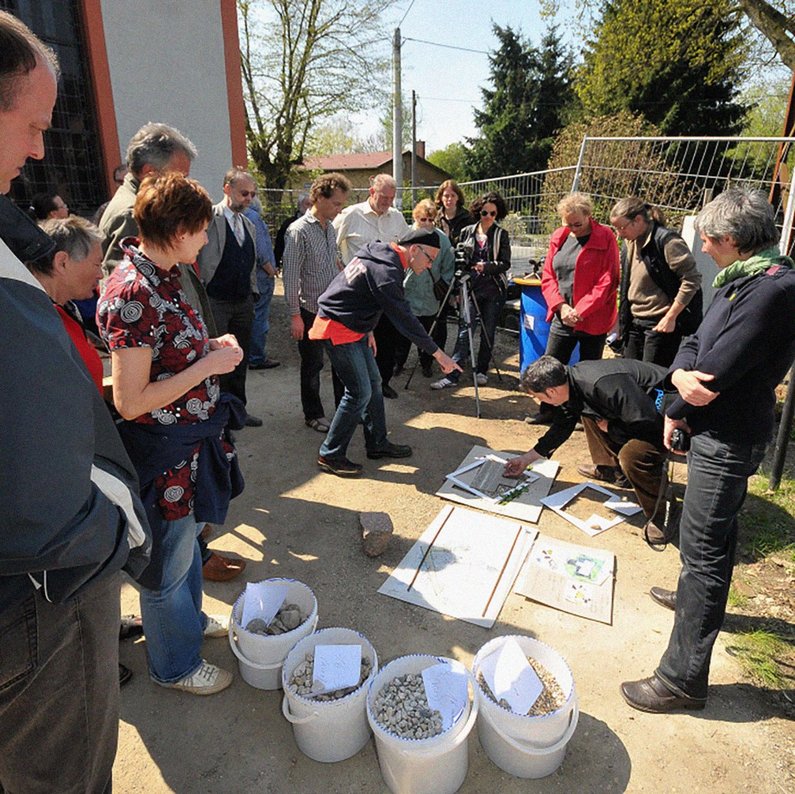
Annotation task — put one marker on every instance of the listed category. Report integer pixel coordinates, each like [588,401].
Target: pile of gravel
[551,698]
[302,679]
[288,618]
[401,707]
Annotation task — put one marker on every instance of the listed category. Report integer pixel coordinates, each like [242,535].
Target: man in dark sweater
[370,285]
[620,405]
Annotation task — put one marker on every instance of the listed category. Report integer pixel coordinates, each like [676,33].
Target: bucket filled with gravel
[325,678]
[421,709]
[528,705]
[268,619]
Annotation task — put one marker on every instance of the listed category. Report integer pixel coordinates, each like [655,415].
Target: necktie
[237,227]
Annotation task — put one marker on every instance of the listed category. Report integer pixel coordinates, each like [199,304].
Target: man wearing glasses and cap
[371,285]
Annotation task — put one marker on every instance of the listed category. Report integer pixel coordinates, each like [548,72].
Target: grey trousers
[59,692]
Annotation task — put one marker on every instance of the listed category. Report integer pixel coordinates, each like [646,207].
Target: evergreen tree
[530,97]
[679,65]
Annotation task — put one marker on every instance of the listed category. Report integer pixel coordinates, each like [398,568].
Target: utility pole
[397,122]
[413,149]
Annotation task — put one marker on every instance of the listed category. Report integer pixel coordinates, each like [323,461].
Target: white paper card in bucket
[336,667]
[446,690]
[263,600]
[511,678]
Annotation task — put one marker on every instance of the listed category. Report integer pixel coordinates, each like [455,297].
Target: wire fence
[679,175]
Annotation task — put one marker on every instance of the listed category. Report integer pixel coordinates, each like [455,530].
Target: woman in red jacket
[579,284]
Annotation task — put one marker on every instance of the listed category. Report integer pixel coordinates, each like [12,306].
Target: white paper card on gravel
[263,600]
[446,690]
[510,677]
[336,667]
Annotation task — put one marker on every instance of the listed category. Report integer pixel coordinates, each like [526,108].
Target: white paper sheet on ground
[594,524]
[573,578]
[510,677]
[492,485]
[336,667]
[263,600]
[463,565]
[525,506]
[446,690]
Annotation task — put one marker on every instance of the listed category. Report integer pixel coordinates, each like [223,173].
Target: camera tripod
[460,285]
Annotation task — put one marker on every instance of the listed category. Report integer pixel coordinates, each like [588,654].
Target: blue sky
[448,81]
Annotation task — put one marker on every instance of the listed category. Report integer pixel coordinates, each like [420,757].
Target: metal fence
[679,175]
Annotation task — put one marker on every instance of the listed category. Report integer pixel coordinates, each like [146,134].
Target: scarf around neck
[758,263]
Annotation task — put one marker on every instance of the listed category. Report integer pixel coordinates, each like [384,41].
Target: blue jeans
[362,400]
[262,311]
[172,615]
[717,481]
[490,308]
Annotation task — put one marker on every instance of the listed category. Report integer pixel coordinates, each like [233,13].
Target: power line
[406,14]
[446,46]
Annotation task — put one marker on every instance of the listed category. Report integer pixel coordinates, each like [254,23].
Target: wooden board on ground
[464,565]
[526,506]
[572,578]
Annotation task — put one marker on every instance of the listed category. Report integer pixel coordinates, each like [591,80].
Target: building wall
[168,63]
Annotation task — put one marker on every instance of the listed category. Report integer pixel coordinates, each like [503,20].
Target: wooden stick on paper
[502,571]
[428,550]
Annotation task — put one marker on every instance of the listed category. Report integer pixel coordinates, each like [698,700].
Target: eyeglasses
[247,193]
[626,225]
[425,220]
[425,254]
[485,213]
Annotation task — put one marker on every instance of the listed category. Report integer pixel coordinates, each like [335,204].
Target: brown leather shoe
[610,474]
[652,695]
[220,568]
[665,598]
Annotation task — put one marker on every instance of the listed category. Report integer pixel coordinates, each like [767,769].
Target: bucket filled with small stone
[421,709]
[268,619]
[325,678]
[528,705]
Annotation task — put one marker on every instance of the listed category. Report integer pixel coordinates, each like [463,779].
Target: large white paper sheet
[525,506]
[464,565]
[511,677]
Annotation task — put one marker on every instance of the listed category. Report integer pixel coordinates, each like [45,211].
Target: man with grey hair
[227,270]
[70,516]
[155,148]
[374,220]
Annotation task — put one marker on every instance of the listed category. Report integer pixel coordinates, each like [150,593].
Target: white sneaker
[207,680]
[444,383]
[482,379]
[217,626]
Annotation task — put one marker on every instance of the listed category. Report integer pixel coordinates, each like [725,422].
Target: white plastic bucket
[422,766]
[328,730]
[522,745]
[260,657]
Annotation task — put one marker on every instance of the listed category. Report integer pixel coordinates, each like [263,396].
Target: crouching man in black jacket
[620,405]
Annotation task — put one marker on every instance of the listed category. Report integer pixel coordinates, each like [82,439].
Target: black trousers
[235,317]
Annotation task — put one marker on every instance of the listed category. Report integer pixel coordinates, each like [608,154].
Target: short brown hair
[326,184]
[423,206]
[233,174]
[20,52]
[168,205]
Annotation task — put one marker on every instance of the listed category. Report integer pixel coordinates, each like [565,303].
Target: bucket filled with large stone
[528,705]
[268,619]
[325,678]
[421,709]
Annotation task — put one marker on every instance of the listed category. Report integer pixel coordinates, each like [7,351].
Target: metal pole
[782,439]
[413,149]
[397,121]
[575,184]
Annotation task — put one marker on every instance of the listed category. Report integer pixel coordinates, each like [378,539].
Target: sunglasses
[425,220]
[486,213]
[247,193]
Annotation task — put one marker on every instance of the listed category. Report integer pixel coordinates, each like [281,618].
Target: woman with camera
[725,375]
[486,250]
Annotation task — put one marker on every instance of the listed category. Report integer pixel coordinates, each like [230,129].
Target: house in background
[361,167]
[126,62]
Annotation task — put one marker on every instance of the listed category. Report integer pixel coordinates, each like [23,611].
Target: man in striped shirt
[310,263]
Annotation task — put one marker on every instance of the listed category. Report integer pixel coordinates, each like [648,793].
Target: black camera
[680,441]
[461,258]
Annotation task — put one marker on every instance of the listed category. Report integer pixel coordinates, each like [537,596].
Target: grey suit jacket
[210,255]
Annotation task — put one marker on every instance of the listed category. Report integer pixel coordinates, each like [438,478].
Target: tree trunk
[775,27]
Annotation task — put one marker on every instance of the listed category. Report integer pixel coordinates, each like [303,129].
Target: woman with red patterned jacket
[579,284]
[165,384]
